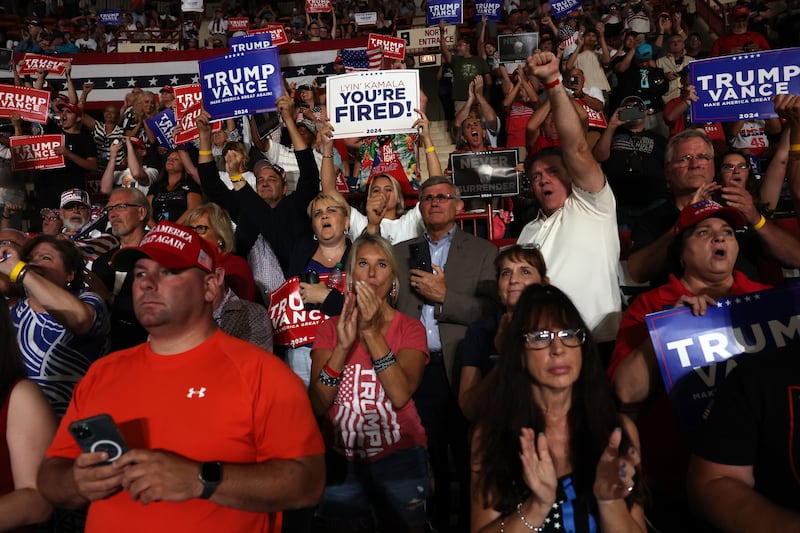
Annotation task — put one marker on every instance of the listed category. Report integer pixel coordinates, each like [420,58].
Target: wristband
[326,156]
[237,177]
[430,149]
[552,84]
[384,362]
[331,372]
[794,147]
[757,226]
[16,271]
[205,152]
[328,380]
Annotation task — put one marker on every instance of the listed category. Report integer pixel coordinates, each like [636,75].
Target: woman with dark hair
[175,192]
[27,426]
[517,267]
[61,327]
[549,451]
[366,365]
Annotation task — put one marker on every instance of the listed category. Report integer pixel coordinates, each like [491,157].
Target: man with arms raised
[576,229]
[221,433]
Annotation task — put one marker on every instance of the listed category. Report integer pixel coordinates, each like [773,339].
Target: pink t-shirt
[365,424]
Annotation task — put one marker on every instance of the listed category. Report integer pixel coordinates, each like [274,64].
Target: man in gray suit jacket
[452,285]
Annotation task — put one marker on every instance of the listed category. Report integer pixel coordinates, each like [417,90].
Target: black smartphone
[631,113]
[420,257]
[99,434]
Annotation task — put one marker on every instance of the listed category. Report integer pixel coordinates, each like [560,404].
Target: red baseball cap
[696,213]
[72,107]
[740,12]
[167,89]
[171,246]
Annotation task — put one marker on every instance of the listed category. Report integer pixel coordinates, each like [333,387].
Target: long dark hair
[507,405]
[11,366]
[163,177]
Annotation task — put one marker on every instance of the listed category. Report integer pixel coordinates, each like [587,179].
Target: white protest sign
[374,102]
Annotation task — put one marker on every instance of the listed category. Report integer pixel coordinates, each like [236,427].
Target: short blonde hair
[334,199]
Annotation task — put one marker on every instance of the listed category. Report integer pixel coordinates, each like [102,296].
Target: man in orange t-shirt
[221,433]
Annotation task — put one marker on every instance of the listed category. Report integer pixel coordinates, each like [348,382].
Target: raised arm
[107,181]
[446,55]
[582,166]
[88,120]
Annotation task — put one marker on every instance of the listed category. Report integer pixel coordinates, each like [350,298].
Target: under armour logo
[200,393]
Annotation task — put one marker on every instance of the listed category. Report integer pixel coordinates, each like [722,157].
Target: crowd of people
[453,386]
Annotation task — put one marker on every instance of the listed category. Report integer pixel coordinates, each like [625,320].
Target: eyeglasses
[10,243]
[73,207]
[201,229]
[544,337]
[684,161]
[119,207]
[439,198]
[730,166]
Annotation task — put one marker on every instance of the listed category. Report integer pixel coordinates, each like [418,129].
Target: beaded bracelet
[328,380]
[384,362]
[525,522]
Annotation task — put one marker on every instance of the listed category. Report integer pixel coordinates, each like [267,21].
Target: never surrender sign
[485,174]
[31,104]
[33,63]
[36,152]
[374,102]
[741,87]
[451,11]
[695,353]
[241,84]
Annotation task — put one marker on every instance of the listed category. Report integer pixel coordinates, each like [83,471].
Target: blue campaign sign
[741,87]
[250,41]
[110,17]
[695,353]
[491,9]
[562,8]
[450,11]
[242,83]
[162,125]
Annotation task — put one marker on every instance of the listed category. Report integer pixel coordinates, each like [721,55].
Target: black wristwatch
[210,476]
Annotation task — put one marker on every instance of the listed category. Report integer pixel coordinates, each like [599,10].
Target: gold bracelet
[760,224]
[205,152]
[16,271]
[430,149]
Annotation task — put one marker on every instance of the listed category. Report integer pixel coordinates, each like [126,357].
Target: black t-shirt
[753,421]
[49,184]
[125,328]
[635,167]
[170,205]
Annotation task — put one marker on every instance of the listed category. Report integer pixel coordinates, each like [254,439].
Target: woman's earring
[315,236]
[393,292]
[220,245]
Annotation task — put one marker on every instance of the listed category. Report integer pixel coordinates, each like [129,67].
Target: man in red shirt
[740,40]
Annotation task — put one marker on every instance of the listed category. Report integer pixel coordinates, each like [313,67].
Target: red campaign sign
[596,118]
[393,47]
[238,23]
[293,324]
[31,104]
[318,6]
[277,33]
[33,63]
[186,97]
[186,130]
[36,152]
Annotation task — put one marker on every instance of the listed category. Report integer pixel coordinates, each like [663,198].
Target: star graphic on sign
[738,300]
[131,82]
[153,81]
[746,298]
[321,69]
[719,304]
[64,86]
[756,297]
[301,71]
[110,83]
[196,78]
[173,80]
[728,303]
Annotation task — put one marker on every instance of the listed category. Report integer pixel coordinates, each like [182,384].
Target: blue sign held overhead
[450,11]
[162,125]
[741,87]
[491,9]
[250,42]
[242,83]
[110,17]
[562,8]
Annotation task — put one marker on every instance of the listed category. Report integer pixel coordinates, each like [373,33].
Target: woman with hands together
[548,401]
[366,364]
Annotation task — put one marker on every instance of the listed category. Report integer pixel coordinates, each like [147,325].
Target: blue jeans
[393,489]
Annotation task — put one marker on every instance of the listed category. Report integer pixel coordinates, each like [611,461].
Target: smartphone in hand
[99,434]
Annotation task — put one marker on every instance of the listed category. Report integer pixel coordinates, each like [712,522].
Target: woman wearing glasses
[708,250]
[549,451]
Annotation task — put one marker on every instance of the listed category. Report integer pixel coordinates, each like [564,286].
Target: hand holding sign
[787,106]
[698,304]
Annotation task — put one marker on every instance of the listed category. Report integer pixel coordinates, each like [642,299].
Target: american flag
[361,59]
